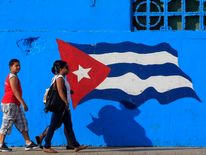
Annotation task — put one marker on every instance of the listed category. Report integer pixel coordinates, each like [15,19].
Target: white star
[82,73]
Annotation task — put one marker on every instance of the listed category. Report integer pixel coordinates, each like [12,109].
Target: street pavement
[116,151]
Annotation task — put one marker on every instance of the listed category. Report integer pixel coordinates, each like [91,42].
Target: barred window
[169,15]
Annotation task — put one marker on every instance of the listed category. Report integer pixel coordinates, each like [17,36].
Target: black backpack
[54,103]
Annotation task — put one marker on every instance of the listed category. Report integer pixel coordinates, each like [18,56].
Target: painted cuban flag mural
[125,72]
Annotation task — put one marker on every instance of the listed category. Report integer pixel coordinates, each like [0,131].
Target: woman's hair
[57,65]
[12,61]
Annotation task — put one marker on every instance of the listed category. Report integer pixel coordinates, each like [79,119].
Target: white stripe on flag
[131,57]
[133,85]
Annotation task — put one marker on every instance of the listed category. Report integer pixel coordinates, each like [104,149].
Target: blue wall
[28,31]
[65,15]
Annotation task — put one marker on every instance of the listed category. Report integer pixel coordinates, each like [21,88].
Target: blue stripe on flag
[100,48]
[150,93]
[146,71]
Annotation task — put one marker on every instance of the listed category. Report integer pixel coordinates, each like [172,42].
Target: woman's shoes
[81,147]
[49,150]
[76,149]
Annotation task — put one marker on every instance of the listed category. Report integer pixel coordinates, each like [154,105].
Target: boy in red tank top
[11,108]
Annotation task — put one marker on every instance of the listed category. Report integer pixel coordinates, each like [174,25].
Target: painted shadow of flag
[126,72]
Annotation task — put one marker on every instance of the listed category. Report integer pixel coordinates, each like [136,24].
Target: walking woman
[11,108]
[60,70]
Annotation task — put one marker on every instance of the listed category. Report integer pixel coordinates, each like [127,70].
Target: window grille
[169,15]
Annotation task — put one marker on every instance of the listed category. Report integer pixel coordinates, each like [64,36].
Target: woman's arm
[60,87]
[14,86]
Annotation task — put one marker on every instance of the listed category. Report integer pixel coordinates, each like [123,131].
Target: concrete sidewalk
[117,151]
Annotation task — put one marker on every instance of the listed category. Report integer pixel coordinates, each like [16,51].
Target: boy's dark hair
[12,61]
[57,65]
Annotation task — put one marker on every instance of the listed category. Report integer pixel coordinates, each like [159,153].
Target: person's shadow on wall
[118,127]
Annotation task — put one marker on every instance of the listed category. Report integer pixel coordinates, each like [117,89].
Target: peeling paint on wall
[31,45]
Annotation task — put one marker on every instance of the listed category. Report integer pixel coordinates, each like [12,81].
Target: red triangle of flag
[85,73]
